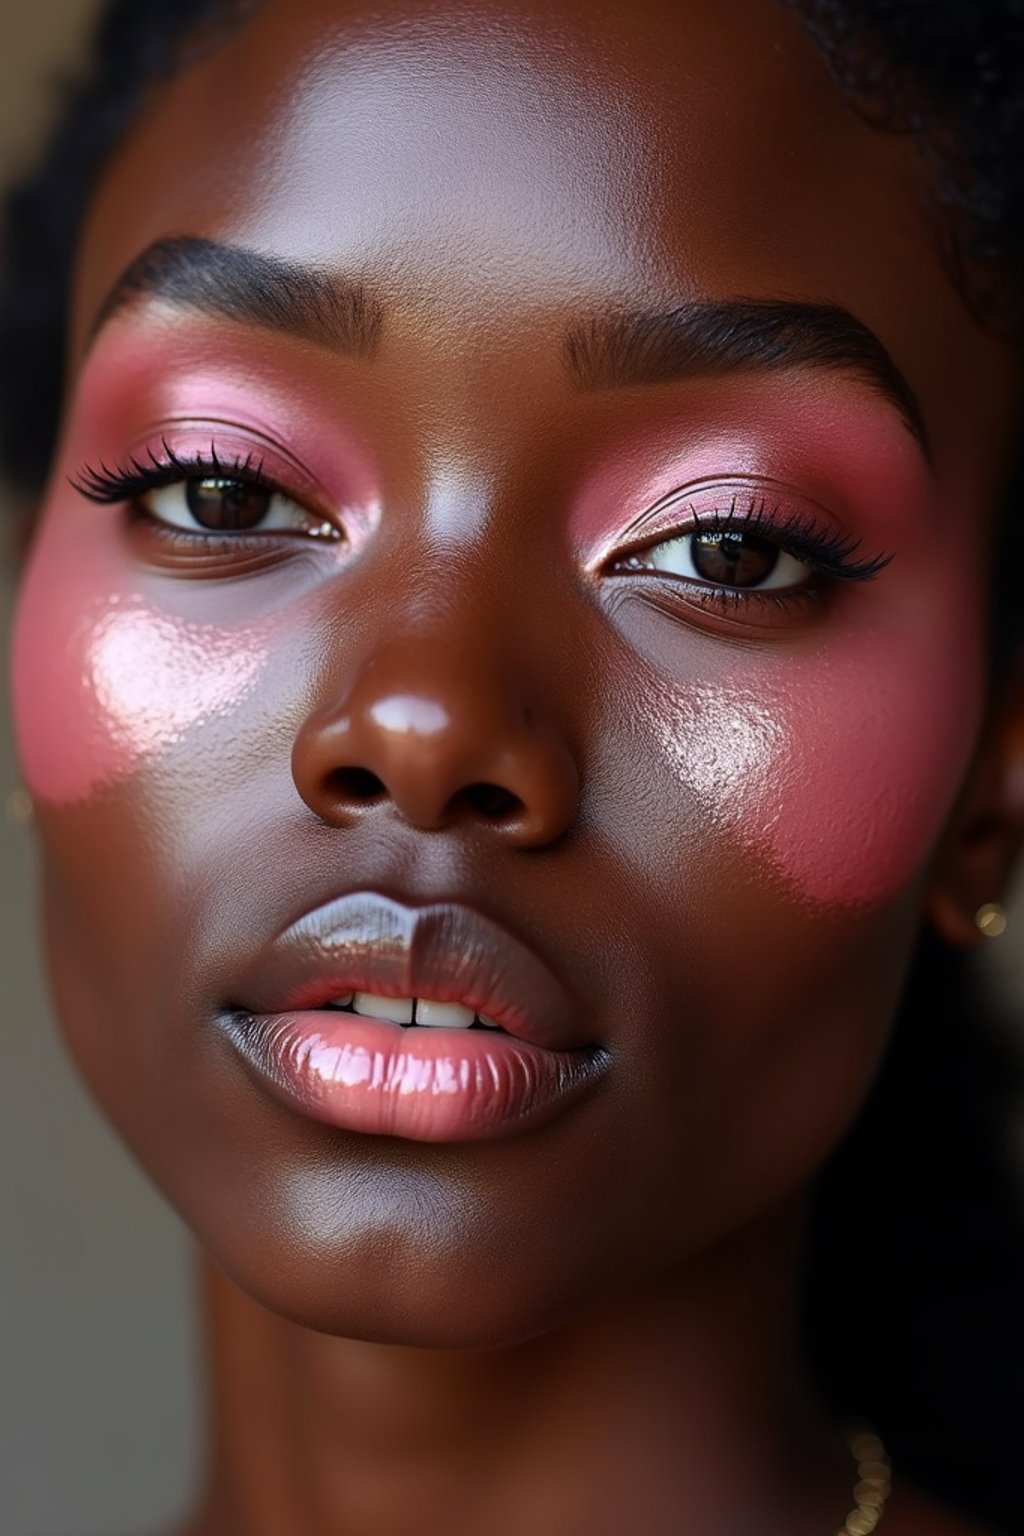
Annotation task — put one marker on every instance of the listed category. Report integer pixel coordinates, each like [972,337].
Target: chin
[419,1305]
[400,1251]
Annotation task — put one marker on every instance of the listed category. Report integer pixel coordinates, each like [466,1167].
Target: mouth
[429,1023]
[412,1012]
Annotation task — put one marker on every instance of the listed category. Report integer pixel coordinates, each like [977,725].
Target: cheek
[838,769]
[102,683]
[876,753]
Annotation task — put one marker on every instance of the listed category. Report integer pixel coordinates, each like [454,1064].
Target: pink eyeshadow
[137,386]
[833,444]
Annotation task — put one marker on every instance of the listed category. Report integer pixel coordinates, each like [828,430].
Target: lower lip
[368,1075]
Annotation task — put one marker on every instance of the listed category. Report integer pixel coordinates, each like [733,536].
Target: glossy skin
[723,825]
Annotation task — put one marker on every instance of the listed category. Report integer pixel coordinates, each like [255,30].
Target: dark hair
[914,1305]
[137,44]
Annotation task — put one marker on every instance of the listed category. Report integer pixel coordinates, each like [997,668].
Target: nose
[438,738]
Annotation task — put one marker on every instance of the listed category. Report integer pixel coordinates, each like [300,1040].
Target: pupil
[227,505]
[733,559]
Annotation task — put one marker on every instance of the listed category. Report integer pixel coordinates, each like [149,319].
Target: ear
[975,861]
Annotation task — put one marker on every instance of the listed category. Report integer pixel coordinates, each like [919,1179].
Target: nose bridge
[451,717]
[456,640]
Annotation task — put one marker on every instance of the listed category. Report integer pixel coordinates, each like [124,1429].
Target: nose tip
[406,714]
[461,753]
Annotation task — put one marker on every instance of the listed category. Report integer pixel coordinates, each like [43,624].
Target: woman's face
[608,656]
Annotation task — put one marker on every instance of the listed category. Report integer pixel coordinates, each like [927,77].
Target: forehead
[485,162]
[566,142]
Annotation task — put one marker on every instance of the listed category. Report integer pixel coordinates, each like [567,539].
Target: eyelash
[133,480]
[830,553]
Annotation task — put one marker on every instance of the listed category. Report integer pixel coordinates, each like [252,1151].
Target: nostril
[491,801]
[357,784]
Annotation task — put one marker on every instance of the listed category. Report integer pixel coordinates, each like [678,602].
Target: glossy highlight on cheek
[723,743]
[101,690]
[836,772]
[155,678]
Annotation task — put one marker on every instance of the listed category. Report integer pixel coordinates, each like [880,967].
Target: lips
[382,1077]
[446,953]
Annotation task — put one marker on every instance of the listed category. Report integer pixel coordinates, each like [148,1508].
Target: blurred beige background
[99,1400]
[98,1361]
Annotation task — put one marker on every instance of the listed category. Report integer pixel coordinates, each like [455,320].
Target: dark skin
[587,1326]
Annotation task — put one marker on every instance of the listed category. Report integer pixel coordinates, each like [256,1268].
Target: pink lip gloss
[369,1075]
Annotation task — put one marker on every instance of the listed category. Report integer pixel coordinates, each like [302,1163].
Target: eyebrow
[605,352]
[234,283]
[760,335]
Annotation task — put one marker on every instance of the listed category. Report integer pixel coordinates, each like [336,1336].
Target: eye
[221,504]
[203,496]
[738,547]
[728,557]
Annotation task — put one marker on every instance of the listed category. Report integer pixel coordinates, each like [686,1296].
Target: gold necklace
[873,1485]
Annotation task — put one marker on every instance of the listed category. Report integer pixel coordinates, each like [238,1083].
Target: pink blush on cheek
[832,771]
[103,685]
[861,793]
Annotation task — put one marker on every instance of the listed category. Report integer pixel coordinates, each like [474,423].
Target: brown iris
[733,559]
[227,505]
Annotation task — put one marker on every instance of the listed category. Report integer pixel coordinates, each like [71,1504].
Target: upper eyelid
[144,469]
[98,482]
[663,518]
[676,517]
[175,472]
[733,488]
[717,519]
[190,438]
[811,537]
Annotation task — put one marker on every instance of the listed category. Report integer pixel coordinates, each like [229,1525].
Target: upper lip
[367,942]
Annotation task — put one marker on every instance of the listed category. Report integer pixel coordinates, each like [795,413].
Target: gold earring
[19,808]
[990,920]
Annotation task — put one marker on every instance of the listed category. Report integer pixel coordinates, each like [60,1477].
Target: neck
[684,1397]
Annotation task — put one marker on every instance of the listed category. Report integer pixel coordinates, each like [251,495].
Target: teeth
[409,1010]
[443,1015]
[396,1009]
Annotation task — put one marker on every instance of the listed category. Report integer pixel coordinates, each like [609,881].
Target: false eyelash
[831,553]
[132,480]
